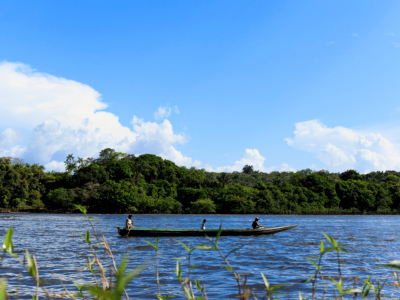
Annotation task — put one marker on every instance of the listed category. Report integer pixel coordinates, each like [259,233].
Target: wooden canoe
[143,231]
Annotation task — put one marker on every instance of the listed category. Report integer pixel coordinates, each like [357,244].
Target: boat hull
[142,231]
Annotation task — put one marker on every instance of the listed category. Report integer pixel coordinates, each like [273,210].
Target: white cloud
[16,151]
[390,33]
[9,137]
[250,157]
[355,35]
[253,158]
[29,97]
[341,148]
[172,154]
[63,116]
[287,168]
[330,43]
[162,112]
[55,166]
[155,137]
[208,168]
[176,110]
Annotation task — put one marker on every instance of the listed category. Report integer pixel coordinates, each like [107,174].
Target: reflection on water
[55,240]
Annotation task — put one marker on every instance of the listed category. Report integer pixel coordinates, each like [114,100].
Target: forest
[116,182]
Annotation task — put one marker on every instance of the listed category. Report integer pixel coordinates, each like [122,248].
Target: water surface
[61,252]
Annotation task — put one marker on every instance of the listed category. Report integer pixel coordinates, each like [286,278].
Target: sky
[280,85]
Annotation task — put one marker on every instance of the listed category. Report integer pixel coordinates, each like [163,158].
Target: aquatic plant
[109,281]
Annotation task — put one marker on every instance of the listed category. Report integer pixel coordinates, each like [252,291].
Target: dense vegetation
[117,182]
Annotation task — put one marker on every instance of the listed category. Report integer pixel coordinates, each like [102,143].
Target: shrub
[60,199]
[203,206]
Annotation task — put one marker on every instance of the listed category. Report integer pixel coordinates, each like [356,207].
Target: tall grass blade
[198,285]
[151,244]
[204,248]
[186,247]
[233,251]
[31,264]
[218,235]
[265,281]
[178,270]
[3,289]
[338,284]
[122,280]
[395,264]
[228,268]
[8,244]
[331,240]
[81,208]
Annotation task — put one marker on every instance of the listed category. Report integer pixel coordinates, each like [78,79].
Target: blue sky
[281,85]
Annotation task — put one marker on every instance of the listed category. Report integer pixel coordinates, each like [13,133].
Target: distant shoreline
[76,211]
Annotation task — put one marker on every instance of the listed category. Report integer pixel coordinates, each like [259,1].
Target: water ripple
[55,240]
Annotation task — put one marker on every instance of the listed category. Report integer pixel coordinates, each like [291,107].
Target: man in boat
[129,223]
[255,224]
[204,224]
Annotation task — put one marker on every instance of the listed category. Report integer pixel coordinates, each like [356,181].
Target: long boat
[143,231]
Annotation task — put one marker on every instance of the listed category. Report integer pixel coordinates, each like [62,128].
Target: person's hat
[257,218]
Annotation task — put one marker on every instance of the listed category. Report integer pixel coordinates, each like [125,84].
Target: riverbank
[44,210]
[150,185]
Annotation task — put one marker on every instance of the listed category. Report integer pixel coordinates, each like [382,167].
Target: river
[60,251]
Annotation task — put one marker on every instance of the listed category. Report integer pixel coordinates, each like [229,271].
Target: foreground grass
[110,283]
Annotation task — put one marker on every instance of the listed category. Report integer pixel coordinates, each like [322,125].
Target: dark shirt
[255,225]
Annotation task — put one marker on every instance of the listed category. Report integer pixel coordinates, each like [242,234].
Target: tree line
[116,182]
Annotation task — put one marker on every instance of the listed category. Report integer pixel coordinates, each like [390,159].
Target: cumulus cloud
[55,166]
[340,148]
[253,158]
[250,157]
[286,168]
[63,116]
[29,97]
[162,112]
[9,137]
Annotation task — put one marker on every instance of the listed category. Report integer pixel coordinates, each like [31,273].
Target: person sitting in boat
[255,224]
[204,224]
[129,223]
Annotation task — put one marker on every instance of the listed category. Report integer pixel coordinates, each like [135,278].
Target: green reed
[111,283]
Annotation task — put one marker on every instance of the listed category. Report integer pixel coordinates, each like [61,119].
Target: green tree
[224,178]
[70,163]
[248,169]
[60,199]
[203,206]
[350,175]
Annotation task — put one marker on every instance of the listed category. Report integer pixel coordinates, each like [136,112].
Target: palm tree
[70,163]
[80,162]
[224,178]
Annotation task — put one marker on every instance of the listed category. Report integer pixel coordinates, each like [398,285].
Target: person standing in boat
[204,224]
[129,223]
[255,224]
